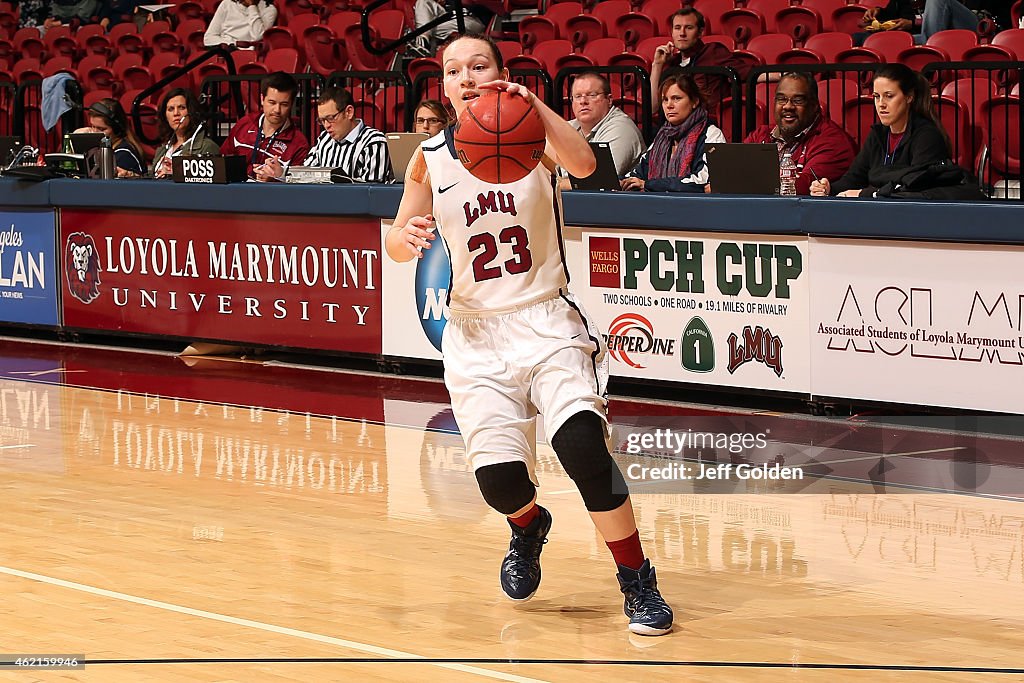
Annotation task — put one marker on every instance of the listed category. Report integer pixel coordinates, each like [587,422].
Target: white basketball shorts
[502,370]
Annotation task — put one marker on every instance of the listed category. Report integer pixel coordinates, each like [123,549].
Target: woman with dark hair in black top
[908,135]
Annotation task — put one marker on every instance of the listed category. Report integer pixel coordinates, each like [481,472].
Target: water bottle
[787,176]
[106,160]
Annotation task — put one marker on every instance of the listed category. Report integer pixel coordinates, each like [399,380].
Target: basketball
[499,138]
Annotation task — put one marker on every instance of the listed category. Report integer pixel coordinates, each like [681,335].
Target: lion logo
[83,267]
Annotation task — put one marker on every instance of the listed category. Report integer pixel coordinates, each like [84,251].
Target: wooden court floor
[175,540]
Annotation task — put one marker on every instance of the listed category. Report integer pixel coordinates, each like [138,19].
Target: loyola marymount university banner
[310,283]
[918,323]
[728,310]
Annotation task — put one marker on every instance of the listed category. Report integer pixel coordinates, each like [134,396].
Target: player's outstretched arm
[566,146]
[412,230]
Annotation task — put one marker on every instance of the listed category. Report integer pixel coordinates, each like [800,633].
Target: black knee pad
[581,448]
[506,486]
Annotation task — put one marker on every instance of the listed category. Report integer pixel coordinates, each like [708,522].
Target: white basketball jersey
[504,241]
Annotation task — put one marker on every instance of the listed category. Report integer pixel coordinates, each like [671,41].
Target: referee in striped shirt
[360,152]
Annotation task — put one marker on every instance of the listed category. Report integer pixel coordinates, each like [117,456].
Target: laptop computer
[605,178]
[738,168]
[82,143]
[401,148]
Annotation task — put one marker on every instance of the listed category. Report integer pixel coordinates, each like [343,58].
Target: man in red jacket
[270,133]
[820,148]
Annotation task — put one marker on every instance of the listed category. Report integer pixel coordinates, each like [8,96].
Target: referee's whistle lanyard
[259,140]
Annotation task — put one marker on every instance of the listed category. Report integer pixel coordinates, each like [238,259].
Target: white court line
[340,642]
[876,456]
[21,445]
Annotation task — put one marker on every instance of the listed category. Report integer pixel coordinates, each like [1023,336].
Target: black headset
[100,109]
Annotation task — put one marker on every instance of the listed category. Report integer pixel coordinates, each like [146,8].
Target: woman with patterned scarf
[675,160]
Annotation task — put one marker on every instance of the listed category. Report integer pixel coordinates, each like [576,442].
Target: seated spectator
[114,12]
[897,15]
[908,135]
[347,144]
[77,11]
[428,10]
[819,147]
[431,118]
[269,135]
[108,117]
[240,21]
[686,49]
[34,14]
[598,120]
[675,161]
[180,130]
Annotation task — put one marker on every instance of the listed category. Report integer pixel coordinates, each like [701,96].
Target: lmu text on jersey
[492,202]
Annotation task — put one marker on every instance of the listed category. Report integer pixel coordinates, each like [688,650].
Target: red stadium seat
[769,46]
[633,27]
[283,59]
[582,28]
[889,43]
[834,93]
[534,31]
[848,18]
[769,9]
[954,41]
[59,64]
[799,22]
[920,56]
[858,117]
[724,40]
[602,50]
[712,11]
[955,117]
[323,53]
[829,44]
[825,9]
[800,55]
[742,24]
[660,10]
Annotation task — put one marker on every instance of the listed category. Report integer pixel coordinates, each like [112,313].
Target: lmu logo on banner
[82,267]
[758,344]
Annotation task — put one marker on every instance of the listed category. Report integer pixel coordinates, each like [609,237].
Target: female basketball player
[516,342]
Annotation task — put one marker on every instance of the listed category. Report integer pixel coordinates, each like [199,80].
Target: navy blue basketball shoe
[649,614]
[520,570]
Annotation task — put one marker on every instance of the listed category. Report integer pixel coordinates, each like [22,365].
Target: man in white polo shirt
[598,120]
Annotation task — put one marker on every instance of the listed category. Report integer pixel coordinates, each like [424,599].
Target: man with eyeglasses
[819,147]
[347,144]
[598,120]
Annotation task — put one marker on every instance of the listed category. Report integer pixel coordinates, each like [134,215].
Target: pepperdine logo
[433,280]
[631,334]
[758,344]
[696,347]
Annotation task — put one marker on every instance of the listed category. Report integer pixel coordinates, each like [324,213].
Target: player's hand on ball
[418,233]
[511,89]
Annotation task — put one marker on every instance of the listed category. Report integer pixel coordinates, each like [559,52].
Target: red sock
[627,551]
[523,520]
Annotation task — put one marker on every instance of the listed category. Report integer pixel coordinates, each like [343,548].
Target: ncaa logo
[433,279]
